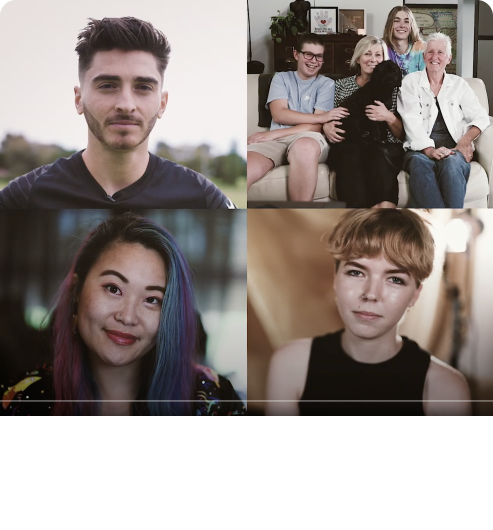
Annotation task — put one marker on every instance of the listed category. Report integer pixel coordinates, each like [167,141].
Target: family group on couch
[429,122]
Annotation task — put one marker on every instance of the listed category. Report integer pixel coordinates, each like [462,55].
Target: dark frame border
[431,6]
[477,38]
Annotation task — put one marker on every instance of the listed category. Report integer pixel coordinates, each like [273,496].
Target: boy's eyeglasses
[309,56]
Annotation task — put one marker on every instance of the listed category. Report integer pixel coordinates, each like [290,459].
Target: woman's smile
[119,307]
[124,339]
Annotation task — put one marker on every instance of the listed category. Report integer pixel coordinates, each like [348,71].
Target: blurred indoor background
[290,292]
[37,248]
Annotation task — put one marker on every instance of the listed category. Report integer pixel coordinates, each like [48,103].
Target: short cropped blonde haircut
[388,32]
[363,46]
[400,236]
[442,38]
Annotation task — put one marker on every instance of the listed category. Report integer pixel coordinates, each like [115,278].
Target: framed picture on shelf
[352,21]
[323,20]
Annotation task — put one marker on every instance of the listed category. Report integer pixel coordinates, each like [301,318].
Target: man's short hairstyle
[400,236]
[363,46]
[388,32]
[127,33]
[441,37]
[309,38]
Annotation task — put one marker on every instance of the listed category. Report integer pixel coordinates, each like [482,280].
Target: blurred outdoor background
[38,246]
[228,172]
[204,126]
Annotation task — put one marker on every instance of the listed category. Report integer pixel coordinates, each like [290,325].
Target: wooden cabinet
[338,52]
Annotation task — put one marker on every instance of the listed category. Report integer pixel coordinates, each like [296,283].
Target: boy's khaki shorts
[277,150]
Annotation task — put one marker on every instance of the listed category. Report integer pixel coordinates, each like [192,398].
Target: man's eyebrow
[387,271]
[139,79]
[150,80]
[110,272]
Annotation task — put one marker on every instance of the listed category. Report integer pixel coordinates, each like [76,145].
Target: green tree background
[19,156]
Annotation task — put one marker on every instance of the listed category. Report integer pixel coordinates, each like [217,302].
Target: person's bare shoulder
[287,376]
[446,391]
[295,352]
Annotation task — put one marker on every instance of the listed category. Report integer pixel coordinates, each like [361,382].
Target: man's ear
[78,100]
[164,103]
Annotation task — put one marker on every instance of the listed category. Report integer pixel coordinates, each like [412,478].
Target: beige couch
[273,187]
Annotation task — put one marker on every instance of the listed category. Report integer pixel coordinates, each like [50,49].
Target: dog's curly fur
[358,127]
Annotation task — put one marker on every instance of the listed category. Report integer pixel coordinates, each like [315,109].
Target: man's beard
[122,143]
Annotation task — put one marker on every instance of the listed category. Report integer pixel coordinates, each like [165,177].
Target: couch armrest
[484,150]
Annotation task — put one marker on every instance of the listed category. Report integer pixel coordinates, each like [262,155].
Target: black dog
[385,78]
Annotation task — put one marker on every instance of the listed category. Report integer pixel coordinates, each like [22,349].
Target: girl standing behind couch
[404,43]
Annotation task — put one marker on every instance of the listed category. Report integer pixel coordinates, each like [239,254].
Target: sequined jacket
[33,395]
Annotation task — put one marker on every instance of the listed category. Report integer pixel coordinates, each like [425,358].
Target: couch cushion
[477,190]
[274,186]
[478,187]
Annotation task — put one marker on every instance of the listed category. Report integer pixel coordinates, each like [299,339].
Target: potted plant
[282,26]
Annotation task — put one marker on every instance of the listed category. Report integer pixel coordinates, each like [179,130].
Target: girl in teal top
[403,40]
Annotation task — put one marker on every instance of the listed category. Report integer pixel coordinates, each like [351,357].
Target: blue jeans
[436,183]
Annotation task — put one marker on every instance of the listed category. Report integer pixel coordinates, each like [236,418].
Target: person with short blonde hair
[404,42]
[381,257]
[362,47]
[366,173]
[401,237]
[440,37]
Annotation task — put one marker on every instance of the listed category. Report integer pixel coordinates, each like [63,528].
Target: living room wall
[262,10]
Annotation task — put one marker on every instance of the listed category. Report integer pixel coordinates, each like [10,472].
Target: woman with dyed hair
[403,40]
[381,259]
[125,332]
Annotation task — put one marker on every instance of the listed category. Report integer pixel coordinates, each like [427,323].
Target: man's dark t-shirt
[67,183]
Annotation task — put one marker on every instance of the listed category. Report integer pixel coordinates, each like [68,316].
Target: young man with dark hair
[300,103]
[121,68]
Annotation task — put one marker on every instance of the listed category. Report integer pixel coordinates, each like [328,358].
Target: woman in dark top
[382,257]
[366,174]
[125,333]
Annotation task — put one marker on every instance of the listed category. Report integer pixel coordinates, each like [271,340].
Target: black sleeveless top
[334,379]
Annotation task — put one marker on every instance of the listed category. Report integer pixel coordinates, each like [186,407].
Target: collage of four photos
[313,241]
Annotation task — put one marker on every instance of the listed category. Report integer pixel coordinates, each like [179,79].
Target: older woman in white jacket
[441,116]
